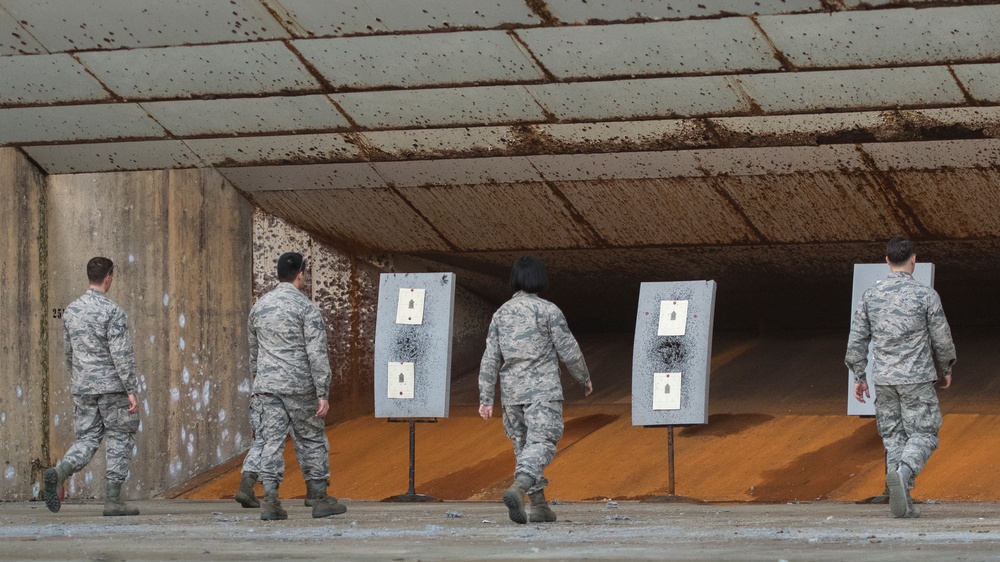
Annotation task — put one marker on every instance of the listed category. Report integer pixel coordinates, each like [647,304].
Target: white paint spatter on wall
[175,395]
[182,320]
[72,487]
[181,344]
[152,339]
[218,452]
[225,434]
[239,439]
[166,299]
[222,415]
[244,387]
[3,417]
[190,449]
[88,478]
[184,434]
[140,425]
[145,405]
[206,393]
[55,420]
[185,375]
[131,258]
[194,395]
[9,473]
[18,391]
[135,451]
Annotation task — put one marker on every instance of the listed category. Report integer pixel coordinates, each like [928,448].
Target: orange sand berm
[778,432]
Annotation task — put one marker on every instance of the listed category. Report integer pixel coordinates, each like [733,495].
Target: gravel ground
[221,530]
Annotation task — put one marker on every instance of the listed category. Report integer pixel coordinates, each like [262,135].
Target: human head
[290,265]
[98,269]
[528,275]
[899,251]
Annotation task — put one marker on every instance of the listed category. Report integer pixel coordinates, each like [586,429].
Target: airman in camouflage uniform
[291,374]
[906,326]
[101,362]
[527,338]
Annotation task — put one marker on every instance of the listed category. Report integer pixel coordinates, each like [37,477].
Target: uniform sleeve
[67,348]
[857,343]
[940,332]
[567,349]
[489,368]
[253,346]
[314,331]
[122,351]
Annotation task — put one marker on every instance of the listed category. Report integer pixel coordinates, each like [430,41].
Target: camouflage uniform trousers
[908,419]
[251,463]
[97,415]
[534,429]
[296,412]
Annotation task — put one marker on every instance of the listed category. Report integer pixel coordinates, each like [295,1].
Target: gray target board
[867,275]
[672,353]
[413,333]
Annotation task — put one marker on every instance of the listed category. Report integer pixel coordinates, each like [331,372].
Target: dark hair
[98,268]
[528,275]
[899,250]
[290,264]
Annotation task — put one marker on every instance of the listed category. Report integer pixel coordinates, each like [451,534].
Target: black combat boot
[245,495]
[53,479]
[323,505]
[271,504]
[113,504]
[540,510]
[513,498]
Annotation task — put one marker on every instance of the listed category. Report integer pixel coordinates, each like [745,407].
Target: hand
[861,391]
[588,388]
[947,381]
[324,407]
[485,412]
[133,404]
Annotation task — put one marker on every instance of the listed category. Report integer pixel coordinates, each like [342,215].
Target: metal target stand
[411,495]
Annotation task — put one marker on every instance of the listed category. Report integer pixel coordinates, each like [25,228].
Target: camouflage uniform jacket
[904,321]
[98,346]
[288,344]
[528,336]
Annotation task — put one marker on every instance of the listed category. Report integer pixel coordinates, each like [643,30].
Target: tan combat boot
[540,510]
[271,504]
[53,479]
[513,498]
[113,504]
[245,495]
[323,505]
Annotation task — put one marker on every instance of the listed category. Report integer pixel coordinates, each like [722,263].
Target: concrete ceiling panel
[621,136]
[184,72]
[77,122]
[577,12]
[797,129]
[464,171]
[42,79]
[372,218]
[118,156]
[287,149]
[441,143]
[886,37]
[623,165]
[500,216]
[349,17]
[304,177]
[953,204]
[406,61]
[668,211]
[14,40]
[780,160]
[686,47]
[805,208]
[852,89]
[247,115]
[935,155]
[117,24]
[636,99]
[981,80]
[488,105]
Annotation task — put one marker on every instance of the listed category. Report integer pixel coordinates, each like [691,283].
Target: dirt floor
[627,530]
[778,432]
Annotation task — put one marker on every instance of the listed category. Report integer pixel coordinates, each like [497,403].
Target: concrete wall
[23,324]
[181,242]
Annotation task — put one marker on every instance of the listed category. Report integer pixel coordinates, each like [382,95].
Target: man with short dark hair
[101,362]
[906,326]
[291,374]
